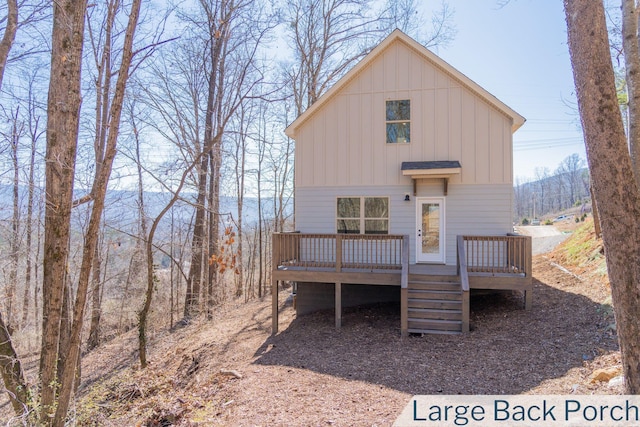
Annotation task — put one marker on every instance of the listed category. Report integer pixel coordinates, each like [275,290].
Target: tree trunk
[29,234]
[615,189]
[99,191]
[596,217]
[143,315]
[9,35]
[12,374]
[14,243]
[632,67]
[94,328]
[192,297]
[63,110]
[214,220]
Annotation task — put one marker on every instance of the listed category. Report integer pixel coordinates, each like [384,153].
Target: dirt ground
[232,372]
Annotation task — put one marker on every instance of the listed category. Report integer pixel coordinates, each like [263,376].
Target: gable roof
[438,62]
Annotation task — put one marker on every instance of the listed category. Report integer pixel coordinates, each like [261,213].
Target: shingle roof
[441,164]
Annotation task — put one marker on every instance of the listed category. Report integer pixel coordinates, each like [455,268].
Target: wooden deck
[434,298]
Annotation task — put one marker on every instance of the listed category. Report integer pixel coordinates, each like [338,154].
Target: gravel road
[544,237]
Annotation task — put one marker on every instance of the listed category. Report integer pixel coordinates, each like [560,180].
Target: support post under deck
[274,307]
[338,288]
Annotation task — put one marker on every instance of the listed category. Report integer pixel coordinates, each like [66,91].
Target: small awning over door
[431,170]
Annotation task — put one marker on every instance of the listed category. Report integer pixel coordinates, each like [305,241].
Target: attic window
[398,121]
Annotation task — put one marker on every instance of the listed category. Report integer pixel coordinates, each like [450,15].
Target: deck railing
[339,251]
[496,255]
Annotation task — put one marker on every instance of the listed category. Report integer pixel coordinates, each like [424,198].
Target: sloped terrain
[230,371]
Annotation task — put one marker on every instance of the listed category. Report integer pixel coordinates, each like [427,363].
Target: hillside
[230,371]
[364,374]
[582,254]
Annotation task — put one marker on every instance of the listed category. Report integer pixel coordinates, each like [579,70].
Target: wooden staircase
[435,304]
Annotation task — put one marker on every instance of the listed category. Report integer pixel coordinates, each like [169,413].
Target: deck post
[463,272]
[465,312]
[276,240]
[528,293]
[404,312]
[338,288]
[404,288]
[274,307]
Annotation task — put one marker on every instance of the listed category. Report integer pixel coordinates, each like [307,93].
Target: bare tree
[10,29]
[234,33]
[98,194]
[631,49]
[615,189]
[62,134]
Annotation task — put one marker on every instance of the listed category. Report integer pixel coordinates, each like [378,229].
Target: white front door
[430,226]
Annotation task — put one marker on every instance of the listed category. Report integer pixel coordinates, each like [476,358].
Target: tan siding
[442,125]
[482,143]
[404,56]
[343,143]
[331,146]
[455,127]
[390,58]
[342,163]
[418,127]
[319,147]
[443,81]
[416,72]
[428,115]
[507,168]
[497,148]
[468,138]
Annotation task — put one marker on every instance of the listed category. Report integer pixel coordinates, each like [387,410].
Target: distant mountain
[122,206]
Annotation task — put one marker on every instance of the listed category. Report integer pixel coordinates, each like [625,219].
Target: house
[403,190]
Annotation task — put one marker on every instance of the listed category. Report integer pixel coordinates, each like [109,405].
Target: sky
[518,52]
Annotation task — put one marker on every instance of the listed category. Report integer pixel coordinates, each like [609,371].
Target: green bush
[548,222]
[525,221]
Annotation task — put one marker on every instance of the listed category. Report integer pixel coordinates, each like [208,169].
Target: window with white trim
[362,215]
[398,120]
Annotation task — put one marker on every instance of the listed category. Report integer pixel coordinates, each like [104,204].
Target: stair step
[433,278]
[434,304]
[433,331]
[435,295]
[434,324]
[439,286]
[436,314]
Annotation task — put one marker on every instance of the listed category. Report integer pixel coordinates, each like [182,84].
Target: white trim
[440,258]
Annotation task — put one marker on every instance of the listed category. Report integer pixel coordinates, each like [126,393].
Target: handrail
[404,278]
[464,283]
[462,265]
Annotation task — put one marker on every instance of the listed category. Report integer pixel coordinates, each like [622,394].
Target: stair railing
[464,282]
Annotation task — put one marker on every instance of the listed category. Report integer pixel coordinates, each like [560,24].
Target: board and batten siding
[344,142]
[469,209]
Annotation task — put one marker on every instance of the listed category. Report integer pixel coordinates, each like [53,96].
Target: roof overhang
[426,170]
[442,169]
